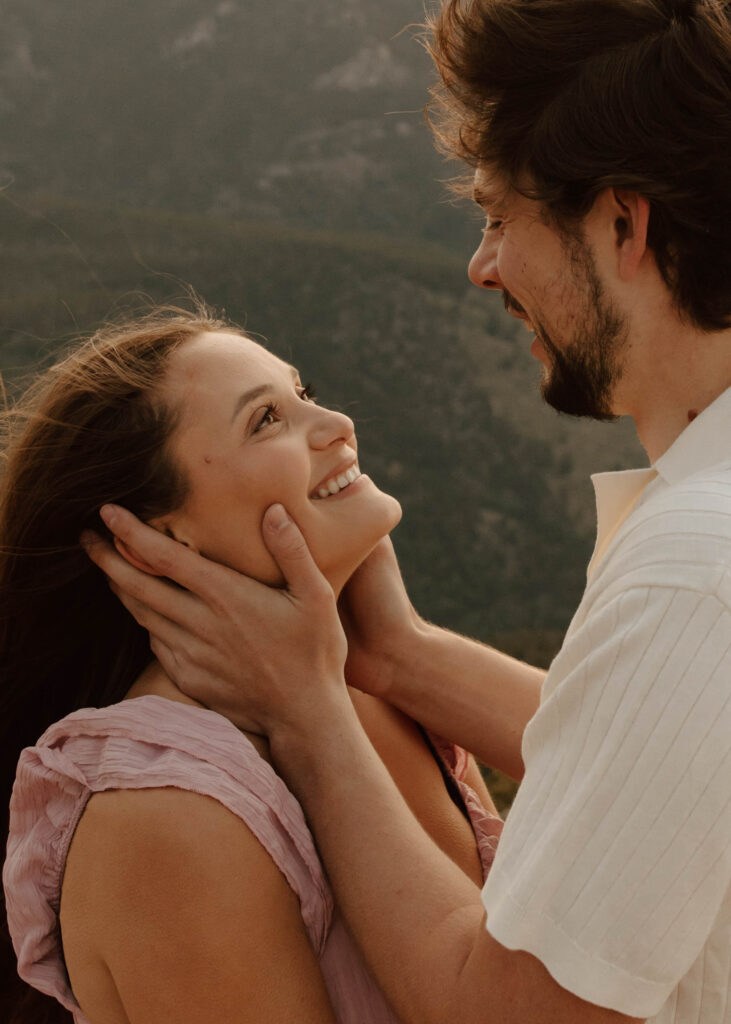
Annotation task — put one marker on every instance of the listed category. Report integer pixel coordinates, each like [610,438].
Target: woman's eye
[307,392]
[493,223]
[269,416]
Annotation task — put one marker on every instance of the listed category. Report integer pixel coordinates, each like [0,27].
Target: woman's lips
[352,488]
[336,482]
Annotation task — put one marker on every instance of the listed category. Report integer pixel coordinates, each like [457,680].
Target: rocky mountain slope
[497,525]
[312,115]
[279,161]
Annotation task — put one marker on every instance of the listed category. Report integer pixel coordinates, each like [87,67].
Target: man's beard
[584,372]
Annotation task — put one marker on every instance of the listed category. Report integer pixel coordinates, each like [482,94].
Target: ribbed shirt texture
[614,867]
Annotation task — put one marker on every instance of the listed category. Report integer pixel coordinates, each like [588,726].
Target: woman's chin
[338,574]
[337,550]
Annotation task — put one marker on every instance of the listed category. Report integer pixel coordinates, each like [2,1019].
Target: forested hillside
[282,166]
[308,112]
[496,530]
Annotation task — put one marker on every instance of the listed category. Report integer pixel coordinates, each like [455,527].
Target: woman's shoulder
[145,742]
[176,872]
[135,761]
[152,743]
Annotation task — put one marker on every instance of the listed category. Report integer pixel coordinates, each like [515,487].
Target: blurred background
[276,158]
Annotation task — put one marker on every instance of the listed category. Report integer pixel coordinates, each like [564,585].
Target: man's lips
[515,309]
[513,306]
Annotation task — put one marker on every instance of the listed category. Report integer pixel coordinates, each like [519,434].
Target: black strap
[450,782]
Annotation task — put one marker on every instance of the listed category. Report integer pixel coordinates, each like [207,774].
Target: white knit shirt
[614,868]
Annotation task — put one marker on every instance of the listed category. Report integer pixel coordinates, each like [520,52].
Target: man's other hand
[379,620]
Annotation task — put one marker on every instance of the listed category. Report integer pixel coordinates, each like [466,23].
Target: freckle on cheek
[208,459]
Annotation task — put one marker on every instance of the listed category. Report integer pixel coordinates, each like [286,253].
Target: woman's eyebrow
[254,393]
[249,396]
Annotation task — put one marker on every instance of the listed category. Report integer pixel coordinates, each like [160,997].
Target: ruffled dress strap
[486,826]
[143,743]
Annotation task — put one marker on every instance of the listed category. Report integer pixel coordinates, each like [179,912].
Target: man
[599,131]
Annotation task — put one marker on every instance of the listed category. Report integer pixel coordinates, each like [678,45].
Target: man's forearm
[467,692]
[417,917]
[415,914]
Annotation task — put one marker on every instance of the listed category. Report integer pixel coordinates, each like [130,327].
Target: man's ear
[631,216]
[139,563]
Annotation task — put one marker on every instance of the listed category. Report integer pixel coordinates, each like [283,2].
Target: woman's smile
[337,481]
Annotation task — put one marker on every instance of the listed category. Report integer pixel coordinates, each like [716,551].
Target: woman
[157,867]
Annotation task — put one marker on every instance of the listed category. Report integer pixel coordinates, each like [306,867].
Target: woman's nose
[330,426]
[483,269]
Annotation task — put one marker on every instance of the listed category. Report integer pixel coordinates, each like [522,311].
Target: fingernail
[277,517]
[108,514]
[87,539]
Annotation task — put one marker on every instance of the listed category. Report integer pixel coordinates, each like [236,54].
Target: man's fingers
[157,625]
[155,593]
[174,667]
[164,556]
[288,548]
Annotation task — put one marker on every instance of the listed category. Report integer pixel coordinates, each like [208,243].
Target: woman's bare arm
[185,909]
[469,693]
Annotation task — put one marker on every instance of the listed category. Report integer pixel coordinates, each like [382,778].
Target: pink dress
[151,742]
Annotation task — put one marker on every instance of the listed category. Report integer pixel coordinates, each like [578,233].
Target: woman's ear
[133,559]
[136,560]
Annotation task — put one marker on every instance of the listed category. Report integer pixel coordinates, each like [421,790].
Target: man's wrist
[405,654]
[296,743]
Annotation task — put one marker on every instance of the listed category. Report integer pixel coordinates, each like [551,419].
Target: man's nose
[483,269]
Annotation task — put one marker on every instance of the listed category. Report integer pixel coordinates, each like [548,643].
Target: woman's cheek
[236,541]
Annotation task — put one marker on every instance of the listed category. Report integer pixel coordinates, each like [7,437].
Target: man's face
[550,280]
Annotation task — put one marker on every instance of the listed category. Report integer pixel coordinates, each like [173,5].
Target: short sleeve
[614,865]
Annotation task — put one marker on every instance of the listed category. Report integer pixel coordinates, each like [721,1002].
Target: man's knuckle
[207,634]
[140,614]
[295,550]
[136,590]
[164,564]
[322,597]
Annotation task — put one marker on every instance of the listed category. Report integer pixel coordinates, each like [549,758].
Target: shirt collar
[616,495]
[704,443]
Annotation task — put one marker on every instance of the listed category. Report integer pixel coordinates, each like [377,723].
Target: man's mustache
[511,304]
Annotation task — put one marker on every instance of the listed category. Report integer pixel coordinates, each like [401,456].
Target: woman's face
[247,436]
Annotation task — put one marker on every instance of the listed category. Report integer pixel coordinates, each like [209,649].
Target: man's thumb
[289,550]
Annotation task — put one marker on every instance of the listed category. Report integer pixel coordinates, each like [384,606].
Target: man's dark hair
[575,96]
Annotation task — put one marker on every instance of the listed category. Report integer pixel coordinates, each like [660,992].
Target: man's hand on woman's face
[263,657]
[379,621]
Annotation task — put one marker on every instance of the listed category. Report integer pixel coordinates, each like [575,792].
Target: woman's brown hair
[92,429]
[574,96]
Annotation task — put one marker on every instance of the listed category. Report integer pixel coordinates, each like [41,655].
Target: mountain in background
[279,162]
[308,114]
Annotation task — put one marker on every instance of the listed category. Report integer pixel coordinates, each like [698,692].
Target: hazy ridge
[497,529]
[280,163]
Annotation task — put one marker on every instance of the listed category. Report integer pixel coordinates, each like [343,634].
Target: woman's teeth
[339,482]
